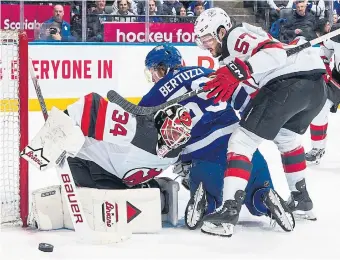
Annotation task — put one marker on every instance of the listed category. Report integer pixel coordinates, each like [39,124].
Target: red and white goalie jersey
[122,143]
[266,56]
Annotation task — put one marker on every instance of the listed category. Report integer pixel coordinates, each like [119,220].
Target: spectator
[152,13]
[131,5]
[318,8]
[276,6]
[94,22]
[123,11]
[336,6]
[301,24]
[76,27]
[56,29]
[171,7]
[182,11]
[192,6]
[199,8]
[335,18]
[322,27]
[182,16]
[141,7]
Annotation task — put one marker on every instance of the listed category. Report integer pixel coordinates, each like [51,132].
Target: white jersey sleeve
[254,45]
[334,47]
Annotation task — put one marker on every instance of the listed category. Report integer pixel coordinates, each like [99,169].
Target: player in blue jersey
[203,160]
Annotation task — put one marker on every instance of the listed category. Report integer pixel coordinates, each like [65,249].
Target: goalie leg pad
[118,211]
[137,210]
[169,188]
[47,209]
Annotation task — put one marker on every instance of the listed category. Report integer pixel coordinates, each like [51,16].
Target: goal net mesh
[10,127]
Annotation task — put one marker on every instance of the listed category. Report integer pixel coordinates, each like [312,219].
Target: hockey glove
[226,80]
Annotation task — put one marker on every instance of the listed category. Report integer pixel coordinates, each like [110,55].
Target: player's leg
[206,184]
[91,175]
[319,125]
[292,152]
[294,165]
[318,132]
[272,108]
[261,198]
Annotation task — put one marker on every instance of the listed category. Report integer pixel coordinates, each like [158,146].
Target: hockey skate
[196,208]
[279,211]
[222,221]
[315,155]
[300,203]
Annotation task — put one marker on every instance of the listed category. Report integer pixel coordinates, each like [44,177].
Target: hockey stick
[114,97]
[69,189]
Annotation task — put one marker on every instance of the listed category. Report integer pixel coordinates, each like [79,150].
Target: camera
[53,30]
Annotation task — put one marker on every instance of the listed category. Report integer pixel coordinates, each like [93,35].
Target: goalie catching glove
[226,79]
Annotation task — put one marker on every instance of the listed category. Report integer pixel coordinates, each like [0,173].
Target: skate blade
[304,215]
[223,230]
[195,209]
[311,163]
[282,215]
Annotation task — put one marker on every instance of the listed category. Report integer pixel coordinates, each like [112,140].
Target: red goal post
[13,126]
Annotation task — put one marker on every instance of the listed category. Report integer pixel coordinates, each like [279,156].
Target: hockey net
[13,126]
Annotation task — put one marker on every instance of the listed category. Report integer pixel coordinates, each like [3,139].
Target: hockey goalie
[115,158]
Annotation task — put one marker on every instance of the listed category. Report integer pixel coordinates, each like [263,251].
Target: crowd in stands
[293,18]
[99,11]
[288,19]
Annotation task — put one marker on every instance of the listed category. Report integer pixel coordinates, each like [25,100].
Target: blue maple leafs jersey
[212,123]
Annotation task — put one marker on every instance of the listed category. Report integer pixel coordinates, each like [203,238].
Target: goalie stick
[114,97]
[69,190]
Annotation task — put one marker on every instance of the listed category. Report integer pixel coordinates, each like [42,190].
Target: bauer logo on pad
[35,156]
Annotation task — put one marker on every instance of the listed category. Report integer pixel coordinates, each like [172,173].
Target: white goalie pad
[57,137]
[47,208]
[135,210]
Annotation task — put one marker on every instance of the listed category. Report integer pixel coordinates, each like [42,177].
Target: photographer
[56,29]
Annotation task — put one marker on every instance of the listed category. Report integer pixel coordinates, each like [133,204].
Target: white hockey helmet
[208,24]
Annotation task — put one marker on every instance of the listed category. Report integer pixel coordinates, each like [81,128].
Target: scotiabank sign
[34,15]
[158,32]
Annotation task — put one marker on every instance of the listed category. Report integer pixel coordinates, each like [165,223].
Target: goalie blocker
[139,210]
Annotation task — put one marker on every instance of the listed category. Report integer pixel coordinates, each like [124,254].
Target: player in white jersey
[130,149]
[291,94]
[110,151]
[319,125]
[123,150]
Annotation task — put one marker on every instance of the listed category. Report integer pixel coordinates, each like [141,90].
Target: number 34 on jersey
[105,121]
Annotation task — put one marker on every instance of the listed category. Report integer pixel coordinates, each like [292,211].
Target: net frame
[19,104]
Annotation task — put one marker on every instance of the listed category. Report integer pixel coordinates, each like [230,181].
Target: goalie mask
[173,125]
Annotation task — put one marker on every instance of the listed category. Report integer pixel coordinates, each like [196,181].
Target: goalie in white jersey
[117,151]
[131,149]
[291,94]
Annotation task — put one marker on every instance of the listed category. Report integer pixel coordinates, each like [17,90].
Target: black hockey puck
[46,247]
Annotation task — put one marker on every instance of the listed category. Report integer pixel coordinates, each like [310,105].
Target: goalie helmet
[164,55]
[173,125]
[209,23]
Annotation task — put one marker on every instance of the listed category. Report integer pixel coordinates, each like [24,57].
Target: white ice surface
[253,238]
